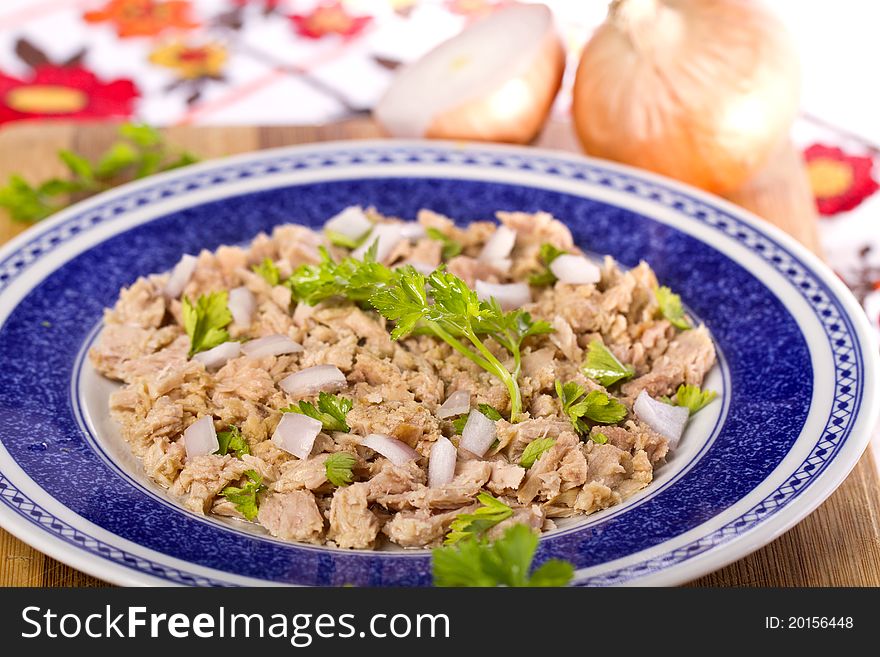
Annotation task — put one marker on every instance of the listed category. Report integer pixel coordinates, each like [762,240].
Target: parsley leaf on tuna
[331,411]
[603,367]
[338,467]
[269,271]
[534,450]
[206,321]
[596,406]
[670,306]
[231,440]
[692,397]
[245,497]
[474,525]
[504,562]
[451,248]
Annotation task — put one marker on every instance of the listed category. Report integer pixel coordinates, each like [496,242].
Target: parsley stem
[498,369]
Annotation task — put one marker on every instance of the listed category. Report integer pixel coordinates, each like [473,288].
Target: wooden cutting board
[839,544]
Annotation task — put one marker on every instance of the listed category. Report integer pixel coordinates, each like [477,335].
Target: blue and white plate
[797,366]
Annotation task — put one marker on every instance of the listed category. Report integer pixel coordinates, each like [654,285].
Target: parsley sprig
[245,498]
[339,468]
[330,411]
[671,308]
[205,321]
[471,525]
[349,278]
[580,406]
[451,248]
[269,271]
[534,450]
[454,313]
[603,367]
[547,255]
[231,440]
[691,397]
[504,562]
[139,152]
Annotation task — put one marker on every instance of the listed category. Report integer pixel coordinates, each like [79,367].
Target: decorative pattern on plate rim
[848,359]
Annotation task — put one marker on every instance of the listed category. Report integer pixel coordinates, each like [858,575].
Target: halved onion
[385,236]
[242,305]
[180,276]
[270,345]
[667,420]
[575,269]
[216,358]
[391,448]
[313,380]
[296,434]
[457,403]
[200,438]
[441,463]
[351,223]
[508,295]
[478,434]
[495,81]
[499,245]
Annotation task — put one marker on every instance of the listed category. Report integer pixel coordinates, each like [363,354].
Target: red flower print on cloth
[840,182]
[133,18]
[329,19]
[68,92]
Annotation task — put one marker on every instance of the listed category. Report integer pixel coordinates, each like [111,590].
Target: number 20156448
[808,622]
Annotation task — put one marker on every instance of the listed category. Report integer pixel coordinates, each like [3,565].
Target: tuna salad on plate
[403,382]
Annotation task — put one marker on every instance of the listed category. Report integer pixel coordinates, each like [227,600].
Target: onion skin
[699,90]
[514,112]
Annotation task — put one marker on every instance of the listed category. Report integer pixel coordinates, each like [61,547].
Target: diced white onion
[200,438]
[391,448]
[457,403]
[301,313]
[575,269]
[352,222]
[509,295]
[242,305]
[499,246]
[180,276]
[412,230]
[478,434]
[296,434]
[386,237]
[270,345]
[667,420]
[502,265]
[441,463]
[313,380]
[216,358]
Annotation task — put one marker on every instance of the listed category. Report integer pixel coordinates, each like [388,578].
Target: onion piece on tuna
[351,222]
[441,463]
[478,434]
[457,403]
[296,434]
[242,305]
[509,295]
[495,81]
[499,246]
[216,358]
[575,269]
[200,438]
[180,276]
[392,449]
[667,420]
[270,345]
[412,230]
[313,380]
[385,236]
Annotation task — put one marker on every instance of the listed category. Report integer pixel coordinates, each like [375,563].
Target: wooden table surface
[839,544]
